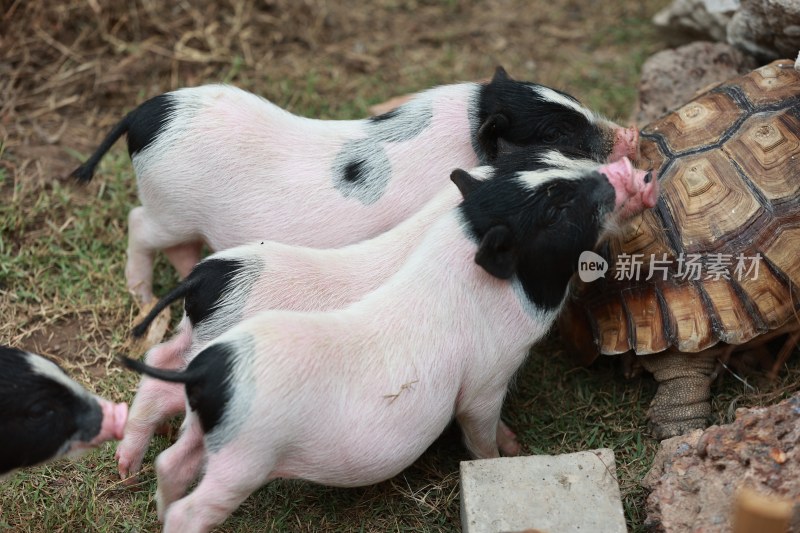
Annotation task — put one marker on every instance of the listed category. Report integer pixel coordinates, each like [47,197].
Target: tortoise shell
[728,163]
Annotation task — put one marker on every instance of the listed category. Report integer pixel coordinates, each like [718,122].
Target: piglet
[45,415]
[232,285]
[352,397]
[219,165]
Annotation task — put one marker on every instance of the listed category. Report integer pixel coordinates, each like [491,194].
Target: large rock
[769,29]
[694,477]
[698,19]
[671,78]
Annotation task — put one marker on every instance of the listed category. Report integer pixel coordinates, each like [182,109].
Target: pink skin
[633,193]
[626,143]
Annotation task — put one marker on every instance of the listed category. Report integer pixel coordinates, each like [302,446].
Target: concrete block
[574,492]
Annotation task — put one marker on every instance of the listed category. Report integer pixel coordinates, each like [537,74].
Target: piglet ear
[500,74]
[490,131]
[465,181]
[496,253]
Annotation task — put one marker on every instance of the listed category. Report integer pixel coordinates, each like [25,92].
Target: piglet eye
[551,216]
[552,136]
[39,411]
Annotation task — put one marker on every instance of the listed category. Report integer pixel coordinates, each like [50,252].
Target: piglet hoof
[507,440]
[125,467]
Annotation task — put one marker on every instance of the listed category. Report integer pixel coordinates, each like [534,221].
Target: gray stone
[672,77]
[704,19]
[574,492]
[769,29]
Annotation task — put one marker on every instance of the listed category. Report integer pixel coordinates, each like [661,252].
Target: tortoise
[728,163]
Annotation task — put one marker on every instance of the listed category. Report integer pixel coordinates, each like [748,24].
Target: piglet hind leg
[184,257]
[179,465]
[155,402]
[231,475]
[145,237]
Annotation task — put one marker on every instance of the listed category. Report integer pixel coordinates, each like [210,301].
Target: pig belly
[361,454]
[350,434]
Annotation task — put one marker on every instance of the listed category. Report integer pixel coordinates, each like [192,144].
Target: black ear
[496,252]
[465,181]
[500,74]
[490,131]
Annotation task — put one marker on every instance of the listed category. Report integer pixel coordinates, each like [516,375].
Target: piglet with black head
[250,171]
[45,415]
[515,114]
[550,217]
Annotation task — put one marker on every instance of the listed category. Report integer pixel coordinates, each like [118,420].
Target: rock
[574,492]
[769,29]
[671,78]
[694,477]
[698,19]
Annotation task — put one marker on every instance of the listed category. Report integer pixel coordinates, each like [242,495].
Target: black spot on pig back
[209,391]
[210,281]
[361,170]
[353,172]
[39,416]
[147,121]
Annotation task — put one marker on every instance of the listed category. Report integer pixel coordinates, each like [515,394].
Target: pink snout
[636,190]
[626,143]
[114,417]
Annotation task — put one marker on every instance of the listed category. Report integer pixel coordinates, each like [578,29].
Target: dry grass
[69,70]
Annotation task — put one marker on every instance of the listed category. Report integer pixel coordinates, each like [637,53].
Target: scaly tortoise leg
[682,402]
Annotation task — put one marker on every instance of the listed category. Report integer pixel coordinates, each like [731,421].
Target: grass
[62,251]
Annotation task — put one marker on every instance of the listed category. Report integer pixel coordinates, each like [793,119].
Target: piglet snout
[635,189]
[114,417]
[626,143]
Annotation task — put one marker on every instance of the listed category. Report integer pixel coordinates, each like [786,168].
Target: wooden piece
[757,513]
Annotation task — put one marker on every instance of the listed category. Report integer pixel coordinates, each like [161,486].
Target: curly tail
[173,376]
[184,288]
[85,172]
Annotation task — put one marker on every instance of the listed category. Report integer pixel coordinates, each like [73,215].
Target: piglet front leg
[485,435]
[507,440]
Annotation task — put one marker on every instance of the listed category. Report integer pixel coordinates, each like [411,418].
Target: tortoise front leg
[681,403]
